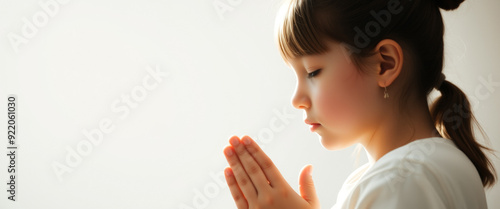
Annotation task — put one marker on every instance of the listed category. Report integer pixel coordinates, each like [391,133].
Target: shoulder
[430,173]
[430,158]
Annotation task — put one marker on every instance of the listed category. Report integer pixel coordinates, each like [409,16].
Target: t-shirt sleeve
[414,189]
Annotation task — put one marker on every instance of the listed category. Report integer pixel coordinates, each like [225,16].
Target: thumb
[306,186]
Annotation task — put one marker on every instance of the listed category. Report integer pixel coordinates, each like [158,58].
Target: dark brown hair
[417,25]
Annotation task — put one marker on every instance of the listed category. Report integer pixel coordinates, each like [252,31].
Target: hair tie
[440,81]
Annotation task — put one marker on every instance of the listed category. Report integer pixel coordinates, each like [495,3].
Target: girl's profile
[364,72]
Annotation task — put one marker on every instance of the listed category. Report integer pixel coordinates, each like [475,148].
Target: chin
[334,143]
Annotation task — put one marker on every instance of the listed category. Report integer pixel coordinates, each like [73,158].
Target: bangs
[295,31]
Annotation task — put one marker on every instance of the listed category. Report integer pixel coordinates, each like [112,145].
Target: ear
[389,61]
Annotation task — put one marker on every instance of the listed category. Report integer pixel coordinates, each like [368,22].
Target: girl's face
[335,94]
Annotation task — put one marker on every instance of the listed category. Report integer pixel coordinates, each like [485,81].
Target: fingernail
[228,172]
[235,141]
[246,141]
[311,171]
[229,152]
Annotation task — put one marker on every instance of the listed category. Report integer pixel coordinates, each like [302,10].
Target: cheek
[344,104]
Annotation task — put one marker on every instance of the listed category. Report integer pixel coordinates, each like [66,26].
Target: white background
[226,78]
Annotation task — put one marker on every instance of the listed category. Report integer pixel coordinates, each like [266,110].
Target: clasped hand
[256,183]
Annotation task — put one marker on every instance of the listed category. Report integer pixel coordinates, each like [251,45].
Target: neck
[398,129]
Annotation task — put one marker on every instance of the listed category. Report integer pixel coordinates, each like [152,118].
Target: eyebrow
[314,67]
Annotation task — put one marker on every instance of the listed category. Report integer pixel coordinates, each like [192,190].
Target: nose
[300,99]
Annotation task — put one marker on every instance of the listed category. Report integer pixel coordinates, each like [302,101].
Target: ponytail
[453,118]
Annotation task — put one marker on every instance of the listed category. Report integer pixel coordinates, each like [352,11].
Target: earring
[386,95]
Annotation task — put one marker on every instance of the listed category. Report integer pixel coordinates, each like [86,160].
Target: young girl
[364,71]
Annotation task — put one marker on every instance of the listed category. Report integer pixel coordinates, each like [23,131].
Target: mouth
[313,126]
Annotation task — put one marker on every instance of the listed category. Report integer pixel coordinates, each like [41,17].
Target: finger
[244,182]
[252,168]
[306,186]
[238,196]
[266,164]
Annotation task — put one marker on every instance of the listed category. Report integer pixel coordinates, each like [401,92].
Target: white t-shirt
[423,174]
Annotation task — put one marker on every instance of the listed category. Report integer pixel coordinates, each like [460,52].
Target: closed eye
[314,73]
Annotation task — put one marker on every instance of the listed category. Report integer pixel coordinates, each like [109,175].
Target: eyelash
[314,73]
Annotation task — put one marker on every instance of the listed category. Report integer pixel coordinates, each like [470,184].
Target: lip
[314,126]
